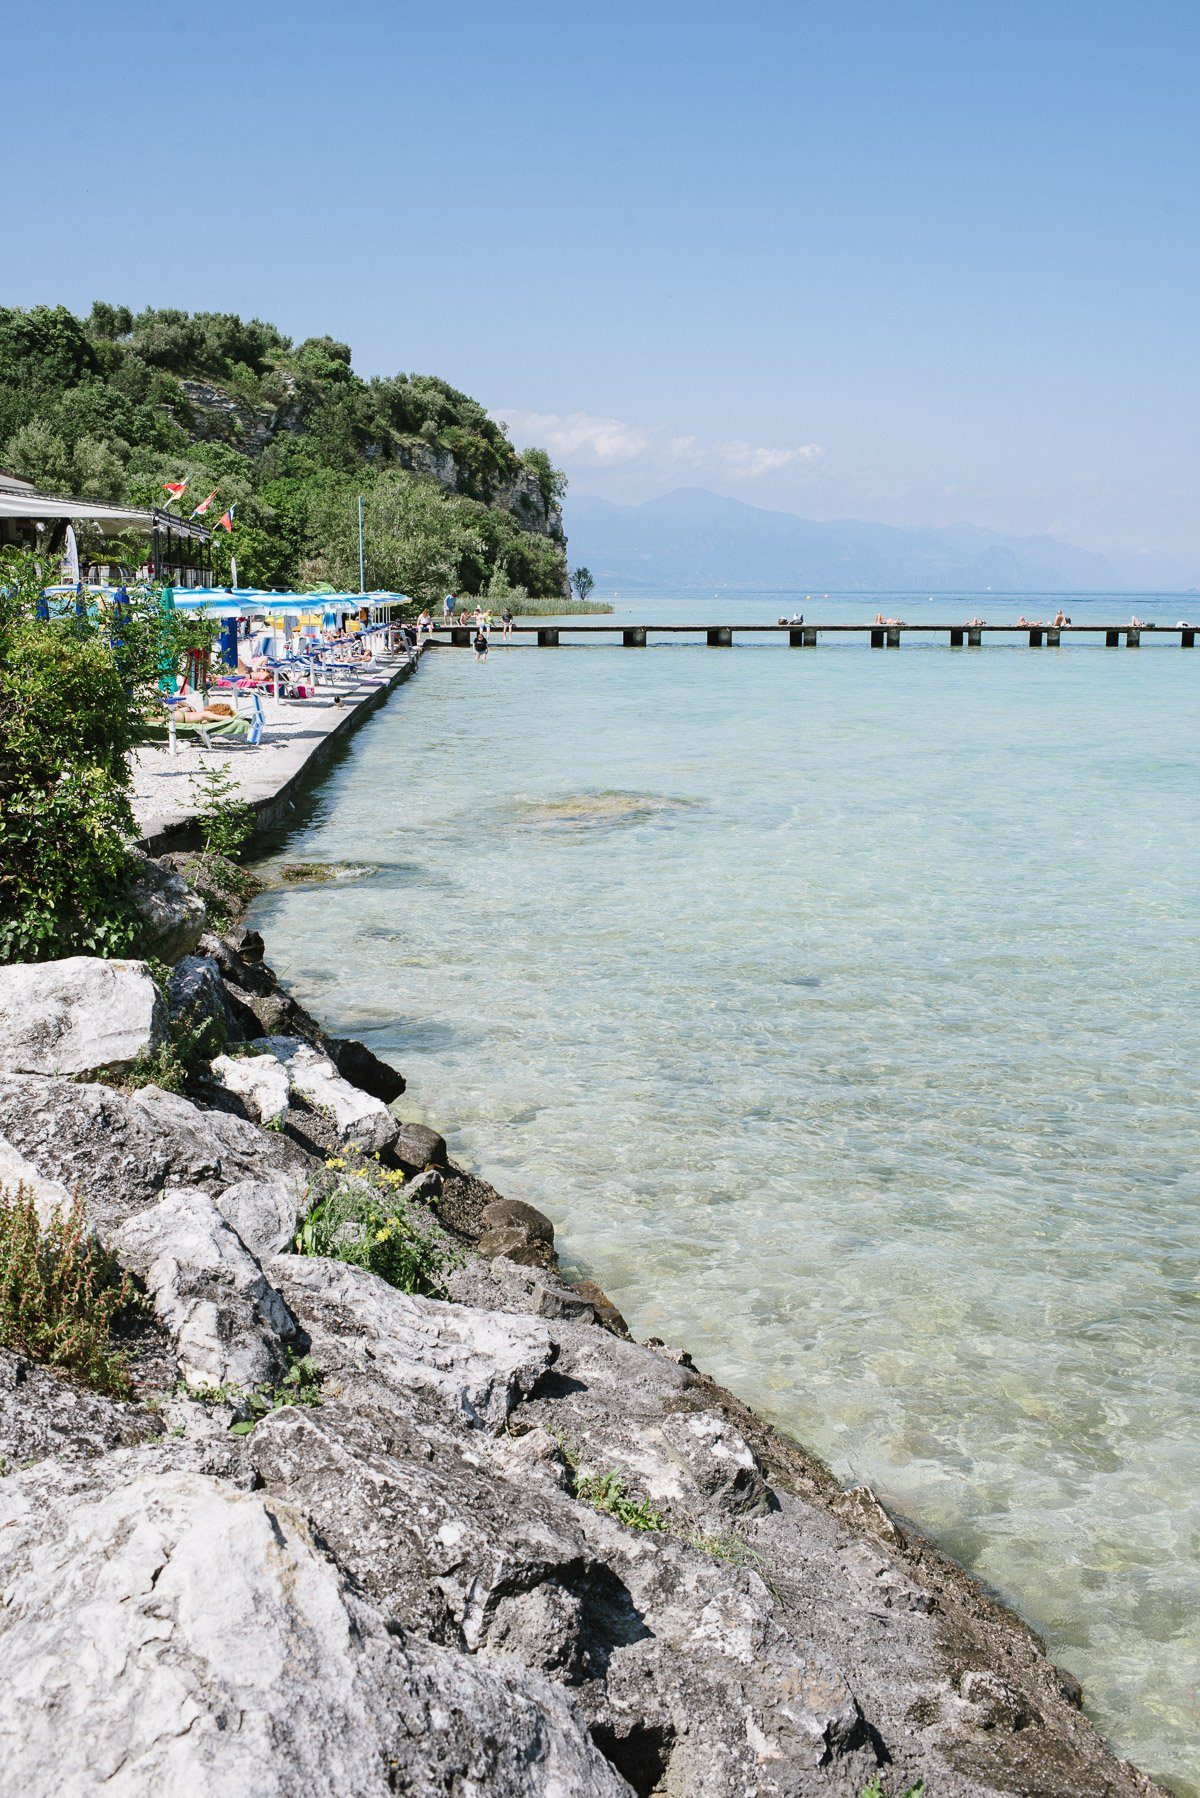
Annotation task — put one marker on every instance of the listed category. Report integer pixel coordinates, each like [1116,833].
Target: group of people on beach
[482,618]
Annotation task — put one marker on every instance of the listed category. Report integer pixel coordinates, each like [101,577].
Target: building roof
[13,483]
[18,500]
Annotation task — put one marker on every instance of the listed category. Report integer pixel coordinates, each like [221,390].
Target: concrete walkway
[298,736]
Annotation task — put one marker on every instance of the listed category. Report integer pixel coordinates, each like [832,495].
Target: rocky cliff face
[503,1548]
[217,415]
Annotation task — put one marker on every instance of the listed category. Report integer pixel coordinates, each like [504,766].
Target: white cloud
[583,441]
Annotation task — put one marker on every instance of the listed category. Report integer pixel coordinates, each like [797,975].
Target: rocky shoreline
[343,1538]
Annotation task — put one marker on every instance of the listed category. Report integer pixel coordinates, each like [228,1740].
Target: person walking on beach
[480,645]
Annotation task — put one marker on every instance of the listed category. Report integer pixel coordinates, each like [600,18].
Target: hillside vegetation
[111,406]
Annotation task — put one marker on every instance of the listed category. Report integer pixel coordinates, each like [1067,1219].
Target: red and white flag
[176,489]
[226,523]
[205,503]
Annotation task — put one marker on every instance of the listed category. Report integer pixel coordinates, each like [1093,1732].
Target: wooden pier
[805,636]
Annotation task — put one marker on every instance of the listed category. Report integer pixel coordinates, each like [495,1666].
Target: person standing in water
[480,645]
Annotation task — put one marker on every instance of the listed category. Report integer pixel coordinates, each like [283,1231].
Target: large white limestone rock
[164,1633]
[78,1016]
[260,1081]
[226,1321]
[398,1350]
[354,1116]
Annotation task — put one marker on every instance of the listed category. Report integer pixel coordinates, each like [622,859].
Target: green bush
[226,822]
[606,1491]
[300,1385]
[76,693]
[359,1215]
[61,1293]
[180,1063]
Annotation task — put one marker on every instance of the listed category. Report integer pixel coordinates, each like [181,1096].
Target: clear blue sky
[919,262]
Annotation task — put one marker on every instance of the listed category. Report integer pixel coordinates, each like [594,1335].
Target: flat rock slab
[356,1117]
[78,1016]
[164,1633]
[227,1323]
[399,1350]
[122,1149]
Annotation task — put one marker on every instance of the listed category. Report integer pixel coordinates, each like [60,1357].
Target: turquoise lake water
[842,1007]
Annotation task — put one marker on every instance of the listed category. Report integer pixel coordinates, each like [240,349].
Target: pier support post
[893,636]
[876,639]
[956,638]
[974,639]
[547,636]
[720,637]
[1035,639]
[1112,639]
[1187,640]
[634,638]
[795,639]
[1133,639]
[461,639]
[1054,636]
[810,636]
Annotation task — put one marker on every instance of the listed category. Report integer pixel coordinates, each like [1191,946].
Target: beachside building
[170,549]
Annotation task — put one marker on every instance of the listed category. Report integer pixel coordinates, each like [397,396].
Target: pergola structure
[179,550]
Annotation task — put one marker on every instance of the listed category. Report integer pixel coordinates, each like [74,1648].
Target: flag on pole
[205,503]
[175,489]
[226,523]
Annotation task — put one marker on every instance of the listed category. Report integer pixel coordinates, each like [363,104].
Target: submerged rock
[602,811]
[78,1016]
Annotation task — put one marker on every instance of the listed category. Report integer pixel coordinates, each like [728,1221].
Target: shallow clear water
[841,1007]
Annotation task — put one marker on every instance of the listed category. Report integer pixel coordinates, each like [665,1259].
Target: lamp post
[362,578]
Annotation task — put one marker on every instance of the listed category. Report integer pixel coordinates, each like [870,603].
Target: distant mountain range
[695,539]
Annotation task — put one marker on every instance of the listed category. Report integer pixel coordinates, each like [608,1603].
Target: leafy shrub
[362,1217]
[61,1293]
[300,1385]
[226,822]
[181,1061]
[76,691]
[606,1491]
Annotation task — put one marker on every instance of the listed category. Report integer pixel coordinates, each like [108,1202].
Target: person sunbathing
[216,713]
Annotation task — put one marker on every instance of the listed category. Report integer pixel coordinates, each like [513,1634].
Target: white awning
[29,507]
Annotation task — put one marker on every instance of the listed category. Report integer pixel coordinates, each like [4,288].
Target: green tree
[414,536]
[552,482]
[77,690]
[582,581]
